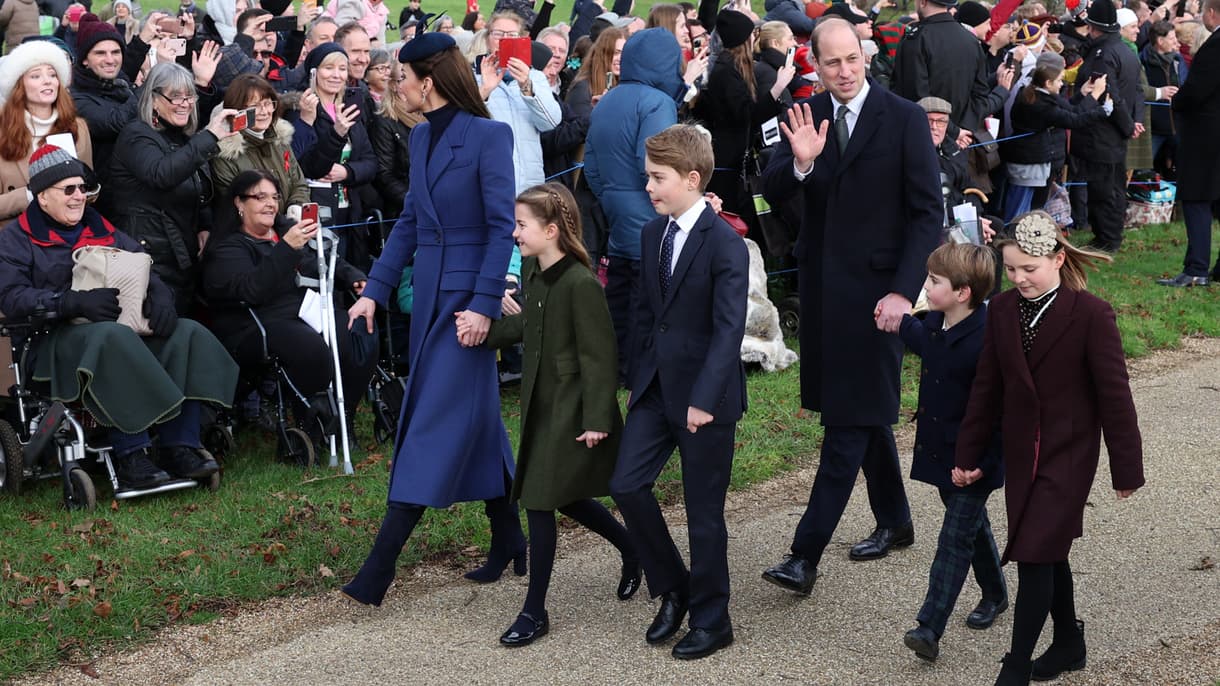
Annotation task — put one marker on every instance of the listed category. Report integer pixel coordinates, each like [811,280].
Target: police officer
[1100,151]
[939,58]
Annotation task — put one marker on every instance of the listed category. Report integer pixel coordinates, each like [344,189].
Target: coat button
[663,328]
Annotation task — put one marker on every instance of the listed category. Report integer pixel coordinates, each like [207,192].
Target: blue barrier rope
[1000,140]
[782,271]
[1158,103]
[569,170]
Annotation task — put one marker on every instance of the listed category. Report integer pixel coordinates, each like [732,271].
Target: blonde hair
[684,148]
[393,106]
[552,203]
[1073,274]
[771,33]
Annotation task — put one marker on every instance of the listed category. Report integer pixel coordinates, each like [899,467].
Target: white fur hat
[29,55]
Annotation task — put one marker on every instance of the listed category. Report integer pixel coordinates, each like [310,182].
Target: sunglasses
[264,54]
[83,188]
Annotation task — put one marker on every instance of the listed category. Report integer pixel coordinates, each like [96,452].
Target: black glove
[162,317]
[97,305]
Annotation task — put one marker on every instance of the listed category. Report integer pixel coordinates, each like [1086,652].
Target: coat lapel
[420,188]
[866,125]
[649,267]
[690,248]
[442,156]
[1058,321]
[1008,337]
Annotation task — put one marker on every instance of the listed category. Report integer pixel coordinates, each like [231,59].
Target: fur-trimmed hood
[235,146]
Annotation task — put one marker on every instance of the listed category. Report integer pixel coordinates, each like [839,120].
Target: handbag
[99,266]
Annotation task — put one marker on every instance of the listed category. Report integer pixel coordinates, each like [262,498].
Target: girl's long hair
[16,141]
[743,62]
[1076,261]
[601,56]
[552,203]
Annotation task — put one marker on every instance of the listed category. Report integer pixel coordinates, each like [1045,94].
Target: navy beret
[425,45]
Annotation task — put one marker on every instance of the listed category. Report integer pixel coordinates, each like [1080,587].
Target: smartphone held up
[242,120]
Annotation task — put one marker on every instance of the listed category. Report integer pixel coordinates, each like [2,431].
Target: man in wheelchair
[130,383]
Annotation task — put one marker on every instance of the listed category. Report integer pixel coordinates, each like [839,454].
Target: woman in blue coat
[457,220]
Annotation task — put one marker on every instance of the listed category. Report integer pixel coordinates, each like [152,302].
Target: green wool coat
[568,385]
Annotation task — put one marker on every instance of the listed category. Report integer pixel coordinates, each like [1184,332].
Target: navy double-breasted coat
[457,220]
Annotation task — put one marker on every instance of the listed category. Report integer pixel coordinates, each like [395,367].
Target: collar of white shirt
[686,221]
[853,106]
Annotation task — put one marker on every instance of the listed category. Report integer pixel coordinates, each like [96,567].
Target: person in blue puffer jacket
[644,103]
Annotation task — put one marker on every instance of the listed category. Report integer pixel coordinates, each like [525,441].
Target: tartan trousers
[965,541]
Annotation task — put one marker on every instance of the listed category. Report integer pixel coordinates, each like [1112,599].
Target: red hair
[16,141]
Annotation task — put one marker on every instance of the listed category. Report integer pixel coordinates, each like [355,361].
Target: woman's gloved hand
[96,305]
[162,317]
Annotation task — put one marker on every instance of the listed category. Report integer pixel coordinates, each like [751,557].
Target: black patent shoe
[629,582]
[983,615]
[1185,280]
[187,463]
[882,541]
[669,618]
[795,574]
[699,643]
[525,630]
[135,471]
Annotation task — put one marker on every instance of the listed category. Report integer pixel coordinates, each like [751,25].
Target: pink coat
[372,16]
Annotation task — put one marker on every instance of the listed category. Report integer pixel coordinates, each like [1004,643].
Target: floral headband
[1037,234]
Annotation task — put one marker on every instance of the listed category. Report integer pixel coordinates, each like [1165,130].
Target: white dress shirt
[685,222]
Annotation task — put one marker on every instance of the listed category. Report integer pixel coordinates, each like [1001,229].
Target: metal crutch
[326,286]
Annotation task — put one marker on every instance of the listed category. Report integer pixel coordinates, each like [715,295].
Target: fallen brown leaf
[89,671]
[325,572]
[103,609]
[1204,564]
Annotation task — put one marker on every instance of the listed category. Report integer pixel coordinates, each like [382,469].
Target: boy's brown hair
[965,264]
[684,148]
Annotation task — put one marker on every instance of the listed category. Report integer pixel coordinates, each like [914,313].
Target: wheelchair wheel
[218,440]
[79,494]
[298,448]
[212,483]
[789,316]
[12,459]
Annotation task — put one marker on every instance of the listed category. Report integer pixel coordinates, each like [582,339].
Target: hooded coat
[643,104]
[271,153]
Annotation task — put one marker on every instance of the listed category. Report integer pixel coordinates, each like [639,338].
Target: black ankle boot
[1015,672]
[377,573]
[1066,653]
[507,543]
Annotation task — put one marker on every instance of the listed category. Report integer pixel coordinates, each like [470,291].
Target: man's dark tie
[841,134]
[667,256]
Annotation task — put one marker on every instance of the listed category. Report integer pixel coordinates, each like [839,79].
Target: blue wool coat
[949,359]
[457,220]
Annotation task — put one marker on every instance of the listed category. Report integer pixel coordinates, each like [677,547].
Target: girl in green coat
[570,421]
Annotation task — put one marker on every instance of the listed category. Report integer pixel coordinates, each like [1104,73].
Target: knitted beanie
[972,14]
[93,31]
[29,55]
[734,28]
[51,164]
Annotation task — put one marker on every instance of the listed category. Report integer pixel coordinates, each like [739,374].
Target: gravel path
[1144,589]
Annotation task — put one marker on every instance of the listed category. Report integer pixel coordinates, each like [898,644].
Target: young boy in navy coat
[949,341]
[687,388]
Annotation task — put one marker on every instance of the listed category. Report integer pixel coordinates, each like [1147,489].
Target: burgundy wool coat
[1053,407]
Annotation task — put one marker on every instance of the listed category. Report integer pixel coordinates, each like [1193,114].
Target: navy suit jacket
[690,340]
[872,217]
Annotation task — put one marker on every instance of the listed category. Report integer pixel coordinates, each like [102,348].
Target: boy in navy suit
[688,390]
[949,341]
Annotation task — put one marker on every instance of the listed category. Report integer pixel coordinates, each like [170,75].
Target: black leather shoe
[525,630]
[795,573]
[699,643]
[187,463]
[629,582]
[983,615]
[923,641]
[136,471]
[669,618]
[881,541]
[1185,280]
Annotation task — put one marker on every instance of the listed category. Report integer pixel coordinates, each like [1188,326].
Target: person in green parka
[570,421]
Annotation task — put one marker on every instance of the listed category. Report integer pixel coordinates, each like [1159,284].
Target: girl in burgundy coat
[1053,375]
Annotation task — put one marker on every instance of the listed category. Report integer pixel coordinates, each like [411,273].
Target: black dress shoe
[699,643]
[1100,246]
[795,573]
[879,543]
[525,630]
[1185,280]
[669,618]
[923,641]
[983,615]
[629,582]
